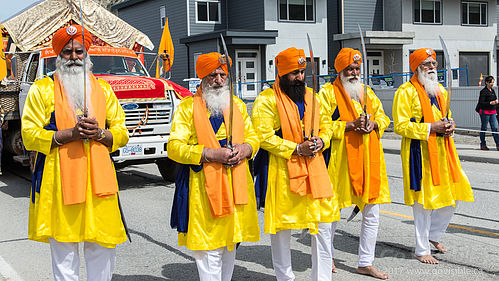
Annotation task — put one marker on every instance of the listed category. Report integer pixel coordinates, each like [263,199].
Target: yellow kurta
[406,105]
[338,163]
[283,208]
[205,232]
[98,219]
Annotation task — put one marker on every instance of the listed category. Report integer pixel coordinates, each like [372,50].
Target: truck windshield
[113,65]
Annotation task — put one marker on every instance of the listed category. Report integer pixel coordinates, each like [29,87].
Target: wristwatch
[102,134]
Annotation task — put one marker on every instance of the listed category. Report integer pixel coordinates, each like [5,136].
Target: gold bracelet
[55,140]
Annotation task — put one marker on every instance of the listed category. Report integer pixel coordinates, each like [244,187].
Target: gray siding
[496,6]
[392,15]
[367,13]
[333,27]
[246,14]
[203,47]
[198,28]
[145,17]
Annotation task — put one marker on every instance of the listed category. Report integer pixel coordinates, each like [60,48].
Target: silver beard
[429,80]
[353,88]
[217,99]
[70,72]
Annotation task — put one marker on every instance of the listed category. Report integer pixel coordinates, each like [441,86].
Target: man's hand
[88,128]
[441,127]
[306,148]
[449,132]
[367,130]
[220,155]
[319,142]
[357,123]
[239,153]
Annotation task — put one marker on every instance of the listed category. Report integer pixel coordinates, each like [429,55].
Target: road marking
[7,272]
[470,229]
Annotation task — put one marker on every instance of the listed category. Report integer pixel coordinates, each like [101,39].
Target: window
[476,63]
[162,16]
[208,11]
[474,13]
[297,10]
[428,11]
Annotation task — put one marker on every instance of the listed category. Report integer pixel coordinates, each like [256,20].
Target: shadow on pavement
[262,255]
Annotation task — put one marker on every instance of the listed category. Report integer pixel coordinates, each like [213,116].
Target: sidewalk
[466,151]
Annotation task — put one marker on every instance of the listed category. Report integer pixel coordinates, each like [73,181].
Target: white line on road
[7,272]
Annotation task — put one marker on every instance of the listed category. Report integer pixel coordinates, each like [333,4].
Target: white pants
[368,234]
[429,225]
[215,265]
[100,261]
[321,255]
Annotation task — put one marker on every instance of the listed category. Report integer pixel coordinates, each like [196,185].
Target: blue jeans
[488,118]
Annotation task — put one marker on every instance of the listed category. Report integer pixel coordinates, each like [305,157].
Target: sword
[85,109]
[231,96]
[449,77]
[314,78]
[364,65]
[355,211]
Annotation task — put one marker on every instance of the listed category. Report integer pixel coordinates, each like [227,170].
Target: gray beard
[217,99]
[71,78]
[429,82]
[353,88]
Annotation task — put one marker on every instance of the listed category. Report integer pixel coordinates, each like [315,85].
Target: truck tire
[168,169]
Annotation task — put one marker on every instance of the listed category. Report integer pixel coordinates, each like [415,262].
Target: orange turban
[207,63]
[62,36]
[418,56]
[346,57]
[290,60]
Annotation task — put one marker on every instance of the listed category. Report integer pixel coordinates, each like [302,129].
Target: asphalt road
[472,238]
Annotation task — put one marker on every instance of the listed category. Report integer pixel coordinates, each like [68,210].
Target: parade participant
[295,183]
[74,195]
[214,206]
[357,164]
[433,178]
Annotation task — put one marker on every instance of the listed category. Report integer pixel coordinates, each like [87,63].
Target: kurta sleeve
[115,118]
[266,122]
[34,118]
[379,114]
[180,146]
[250,135]
[328,105]
[403,110]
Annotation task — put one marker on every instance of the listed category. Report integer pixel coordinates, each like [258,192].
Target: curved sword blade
[314,84]
[364,66]
[449,76]
[85,109]
[231,94]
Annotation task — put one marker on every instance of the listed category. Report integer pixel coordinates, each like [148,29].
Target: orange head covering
[62,36]
[418,56]
[346,57]
[290,60]
[207,63]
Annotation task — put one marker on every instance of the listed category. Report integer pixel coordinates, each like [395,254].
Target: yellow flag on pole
[165,47]
[3,63]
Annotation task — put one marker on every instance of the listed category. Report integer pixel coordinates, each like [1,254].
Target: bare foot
[370,270]
[334,268]
[429,259]
[439,246]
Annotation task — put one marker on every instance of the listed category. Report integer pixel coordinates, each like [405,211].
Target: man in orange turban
[77,199]
[214,207]
[356,161]
[433,178]
[293,184]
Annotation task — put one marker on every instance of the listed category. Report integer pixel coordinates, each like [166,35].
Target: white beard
[353,88]
[217,99]
[429,80]
[71,78]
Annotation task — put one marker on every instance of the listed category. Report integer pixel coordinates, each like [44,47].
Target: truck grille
[148,117]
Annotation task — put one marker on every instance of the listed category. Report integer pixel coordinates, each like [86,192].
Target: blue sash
[261,165]
[327,152]
[36,180]
[179,217]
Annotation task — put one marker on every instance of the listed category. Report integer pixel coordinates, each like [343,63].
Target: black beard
[295,89]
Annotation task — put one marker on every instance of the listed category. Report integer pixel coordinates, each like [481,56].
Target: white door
[247,71]
[375,66]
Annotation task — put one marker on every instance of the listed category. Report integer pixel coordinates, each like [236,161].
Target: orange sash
[216,180]
[73,159]
[355,146]
[432,140]
[306,174]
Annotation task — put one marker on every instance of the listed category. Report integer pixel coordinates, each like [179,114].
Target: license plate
[135,149]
